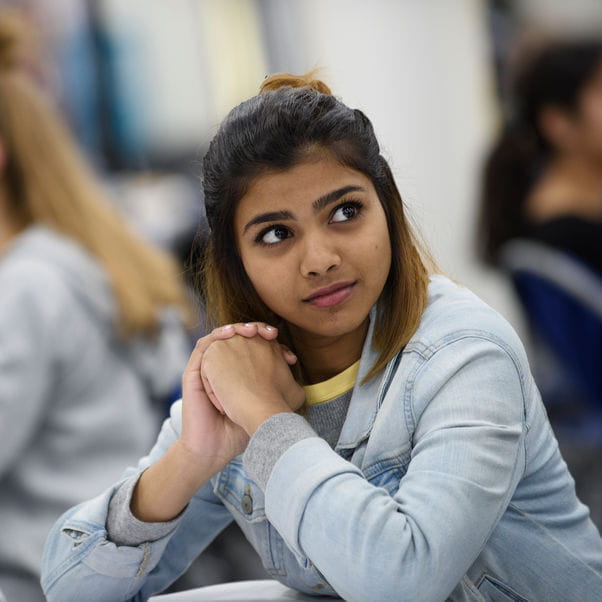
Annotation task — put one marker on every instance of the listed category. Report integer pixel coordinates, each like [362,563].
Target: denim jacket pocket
[245,501]
[494,591]
[81,538]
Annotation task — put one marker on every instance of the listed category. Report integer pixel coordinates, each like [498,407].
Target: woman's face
[315,244]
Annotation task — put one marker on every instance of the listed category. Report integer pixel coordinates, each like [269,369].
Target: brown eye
[346,212]
[273,235]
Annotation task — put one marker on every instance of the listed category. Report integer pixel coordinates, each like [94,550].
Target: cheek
[269,282]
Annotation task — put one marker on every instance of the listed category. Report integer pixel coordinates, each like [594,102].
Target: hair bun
[282,80]
[13,32]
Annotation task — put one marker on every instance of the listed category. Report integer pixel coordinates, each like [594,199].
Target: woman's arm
[467,458]
[194,444]
[81,562]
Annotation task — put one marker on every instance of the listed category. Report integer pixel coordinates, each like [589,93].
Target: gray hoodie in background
[77,404]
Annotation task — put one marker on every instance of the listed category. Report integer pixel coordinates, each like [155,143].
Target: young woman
[543,177]
[92,341]
[394,445]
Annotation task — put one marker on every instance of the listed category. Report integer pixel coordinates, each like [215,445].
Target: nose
[319,256]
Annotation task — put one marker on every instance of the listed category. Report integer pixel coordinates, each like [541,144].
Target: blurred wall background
[144,84]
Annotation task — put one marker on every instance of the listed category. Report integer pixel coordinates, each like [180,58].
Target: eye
[346,211]
[273,235]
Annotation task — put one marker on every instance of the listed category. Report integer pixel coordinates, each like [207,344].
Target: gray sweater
[76,403]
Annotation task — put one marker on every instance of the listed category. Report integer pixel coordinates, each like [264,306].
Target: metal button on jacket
[247,501]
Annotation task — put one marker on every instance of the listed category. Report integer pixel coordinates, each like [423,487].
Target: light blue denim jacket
[446,483]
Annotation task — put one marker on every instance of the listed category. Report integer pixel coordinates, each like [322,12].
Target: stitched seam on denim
[480,335]
[83,550]
[470,586]
[145,560]
[501,587]
[409,406]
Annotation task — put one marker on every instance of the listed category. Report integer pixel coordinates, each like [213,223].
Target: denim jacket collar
[366,398]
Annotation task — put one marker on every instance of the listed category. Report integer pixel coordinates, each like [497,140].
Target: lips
[331,295]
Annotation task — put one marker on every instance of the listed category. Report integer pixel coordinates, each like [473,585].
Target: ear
[558,127]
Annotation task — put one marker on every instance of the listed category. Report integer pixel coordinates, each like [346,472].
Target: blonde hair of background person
[47,181]
[92,333]
[423,468]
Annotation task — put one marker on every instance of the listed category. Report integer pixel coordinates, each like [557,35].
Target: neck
[324,357]
[568,185]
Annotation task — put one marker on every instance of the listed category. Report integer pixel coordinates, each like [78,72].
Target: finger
[267,331]
[223,332]
[196,356]
[251,329]
[195,360]
[289,357]
[248,330]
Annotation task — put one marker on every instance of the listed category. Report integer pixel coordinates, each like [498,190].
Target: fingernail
[227,327]
[269,328]
[248,324]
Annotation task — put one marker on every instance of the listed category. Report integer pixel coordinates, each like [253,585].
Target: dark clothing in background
[579,236]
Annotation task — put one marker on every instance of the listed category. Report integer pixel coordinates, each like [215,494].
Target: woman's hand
[209,439]
[207,431]
[250,380]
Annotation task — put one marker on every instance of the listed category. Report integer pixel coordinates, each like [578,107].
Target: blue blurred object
[562,300]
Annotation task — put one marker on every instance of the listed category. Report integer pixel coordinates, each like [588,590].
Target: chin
[333,325]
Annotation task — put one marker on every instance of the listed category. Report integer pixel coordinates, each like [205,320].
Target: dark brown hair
[292,119]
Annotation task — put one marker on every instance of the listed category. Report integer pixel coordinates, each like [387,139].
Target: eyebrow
[317,205]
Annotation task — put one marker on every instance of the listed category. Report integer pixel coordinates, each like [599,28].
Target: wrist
[261,412]
[196,465]
[166,487]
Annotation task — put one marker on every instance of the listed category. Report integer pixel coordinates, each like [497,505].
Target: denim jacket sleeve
[80,563]
[462,404]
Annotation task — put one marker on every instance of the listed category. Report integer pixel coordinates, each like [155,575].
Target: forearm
[166,487]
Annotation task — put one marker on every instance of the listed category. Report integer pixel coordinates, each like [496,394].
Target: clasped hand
[237,377]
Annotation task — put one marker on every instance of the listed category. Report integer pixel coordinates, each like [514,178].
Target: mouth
[331,295]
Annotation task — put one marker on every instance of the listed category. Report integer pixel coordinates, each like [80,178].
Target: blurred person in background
[543,178]
[543,183]
[400,451]
[93,327]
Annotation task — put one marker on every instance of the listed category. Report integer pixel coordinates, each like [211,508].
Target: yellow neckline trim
[333,387]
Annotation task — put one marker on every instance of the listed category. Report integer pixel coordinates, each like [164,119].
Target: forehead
[298,186]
